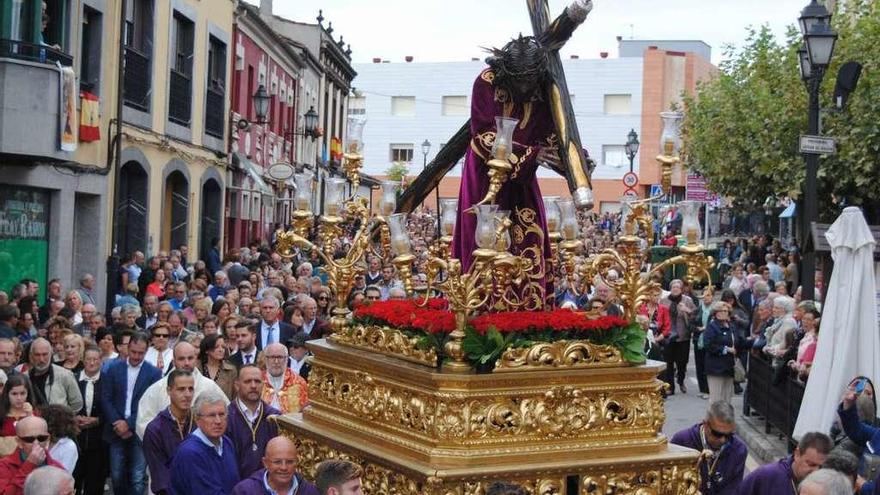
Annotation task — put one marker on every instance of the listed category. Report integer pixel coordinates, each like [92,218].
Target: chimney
[266,7]
[603,54]
[377,60]
[619,39]
[408,58]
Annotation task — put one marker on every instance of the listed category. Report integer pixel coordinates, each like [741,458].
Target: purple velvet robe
[776,478]
[727,473]
[239,432]
[254,485]
[161,441]
[520,193]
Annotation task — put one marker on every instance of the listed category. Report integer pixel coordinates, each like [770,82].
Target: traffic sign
[818,145]
[630,180]
[630,194]
[656,190]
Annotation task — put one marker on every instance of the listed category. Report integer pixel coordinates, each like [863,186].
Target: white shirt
[296,366]
[205,440]
[308,326]
[155,399]
[133,372]
[89,396]
[152,357]
[277,383]
[65,453]
[250,415]
[264,333]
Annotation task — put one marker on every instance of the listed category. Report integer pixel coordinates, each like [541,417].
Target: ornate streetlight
[261,104]
[632,147]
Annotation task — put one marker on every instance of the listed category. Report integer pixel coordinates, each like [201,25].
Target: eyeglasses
[214,416]
[161,335]
[323,298]
[276,358]
[35,438]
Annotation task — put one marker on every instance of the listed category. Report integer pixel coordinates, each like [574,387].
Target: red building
[262,59]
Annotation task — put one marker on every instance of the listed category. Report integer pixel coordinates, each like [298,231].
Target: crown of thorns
[522,57]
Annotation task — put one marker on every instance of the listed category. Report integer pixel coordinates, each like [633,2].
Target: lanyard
[180,424]
[253,427]
[717,455]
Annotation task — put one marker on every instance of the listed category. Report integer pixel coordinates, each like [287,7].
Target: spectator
[807,346]
[372,294]
[221,309]
[74,347]
[313,326]
[781,334]
[9,314]
[7,356]
[150,314]
[159,353]
[213,262]
[32,451]
[61,423]
[285,390]
[720,343]
[374,272]
[250,428]
[658,322]
[73,304]
[246,340]
[845,463]
[702,318]
[278,474]
[338,477]
[678,344]
[388,282]
[782,477]
[271,330]
[126,382]
[49,480]
[724,454]
[165,433]
[52,383]
[324,303]
[16,402]
[825,482]
[213,364]
[205,462]
[91,468]
[86,289]
[298,353]
[130,297]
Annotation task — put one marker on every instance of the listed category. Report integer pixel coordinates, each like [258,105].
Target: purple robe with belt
[161,441]
[727,471]
[239,432]
[776,478]
[254,485]
[520,193]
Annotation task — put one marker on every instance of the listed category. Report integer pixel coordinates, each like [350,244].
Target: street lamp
[819,39]
[310,124]
[632,147]
[261,104]
[426,148]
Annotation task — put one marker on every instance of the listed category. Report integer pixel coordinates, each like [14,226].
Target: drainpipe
[114,160]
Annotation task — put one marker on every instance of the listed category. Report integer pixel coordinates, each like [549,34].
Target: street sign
[280,171]
[630,180]
[630,194]
[656,190]
[818,145]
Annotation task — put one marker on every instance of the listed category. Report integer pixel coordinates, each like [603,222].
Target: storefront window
[24,236]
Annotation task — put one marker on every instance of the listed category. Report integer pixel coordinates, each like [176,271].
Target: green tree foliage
[397,171]
[741,128]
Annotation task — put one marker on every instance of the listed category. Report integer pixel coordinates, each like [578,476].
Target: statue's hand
[550,156]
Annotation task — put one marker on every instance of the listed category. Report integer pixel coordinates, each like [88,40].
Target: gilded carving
[388,341]
[563,353]
[669,480]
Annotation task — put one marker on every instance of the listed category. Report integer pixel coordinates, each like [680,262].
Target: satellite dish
[280,171]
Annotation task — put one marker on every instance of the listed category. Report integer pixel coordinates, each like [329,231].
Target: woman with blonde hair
[72,356]
[73,303]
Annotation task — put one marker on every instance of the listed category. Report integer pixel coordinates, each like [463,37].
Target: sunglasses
[323,298]
[718,434]
[35,438]
[161,335]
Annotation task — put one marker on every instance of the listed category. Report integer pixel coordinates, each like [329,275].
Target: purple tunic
[161,441]
[520,193]
[727,473]
[239,430]
[254,485]
[775,479]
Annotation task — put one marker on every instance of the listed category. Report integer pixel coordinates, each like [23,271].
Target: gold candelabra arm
[352,163]
[499,169]
[403,263]
[568,251]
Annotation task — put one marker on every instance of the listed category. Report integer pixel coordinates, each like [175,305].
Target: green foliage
[397,171]
[741,128]
[485,349]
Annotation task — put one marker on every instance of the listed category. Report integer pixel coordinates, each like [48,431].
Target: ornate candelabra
[499,165]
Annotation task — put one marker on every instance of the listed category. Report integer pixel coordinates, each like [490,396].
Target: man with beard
[52,384]
[166,432]
[249,426]
[285,390]
[7,356]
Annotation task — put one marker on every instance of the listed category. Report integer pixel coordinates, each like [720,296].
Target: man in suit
[246,337]
[270,330]
[313,327]
[125,381]
[91,467]
[150,314]
[750,299]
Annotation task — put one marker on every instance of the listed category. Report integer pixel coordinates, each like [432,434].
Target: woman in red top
[157,286]
[15,403]
[659,324]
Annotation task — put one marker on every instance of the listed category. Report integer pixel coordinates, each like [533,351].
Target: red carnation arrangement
[559,320]
[433,317]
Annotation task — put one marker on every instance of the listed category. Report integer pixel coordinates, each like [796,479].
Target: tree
[741,128]
[397,172]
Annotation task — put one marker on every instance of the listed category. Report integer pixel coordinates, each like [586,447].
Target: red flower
[408,314]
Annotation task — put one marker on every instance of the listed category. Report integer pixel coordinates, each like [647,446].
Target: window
[401,153]
[455,105]
[403,106]
[618,104]
[215,100]
[357,105]
[138,52]
[90,51]
[614,155]
[180,78]
[182,40]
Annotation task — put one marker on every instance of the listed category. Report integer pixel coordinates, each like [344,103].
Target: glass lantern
[568,216]
[399,235]
[503,242]
[388,199]
[503,144]
[354,142]
[334,196]
[670,138]
[302,198]
[485,232]
[625,211]
[448,213]
[690,221]
[551,213]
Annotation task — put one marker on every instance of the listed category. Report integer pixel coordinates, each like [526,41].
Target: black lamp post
[632,147]
[310,124]
[261,104]
[813,58]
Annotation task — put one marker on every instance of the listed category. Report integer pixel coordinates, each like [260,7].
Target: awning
[789,211]
[253,171]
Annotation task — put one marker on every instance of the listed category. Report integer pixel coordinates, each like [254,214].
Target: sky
[455,30]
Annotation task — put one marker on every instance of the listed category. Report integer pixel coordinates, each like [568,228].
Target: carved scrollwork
[388,341]
[670,480]
[562,353]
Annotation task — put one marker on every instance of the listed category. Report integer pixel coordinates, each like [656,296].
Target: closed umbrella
[849,343]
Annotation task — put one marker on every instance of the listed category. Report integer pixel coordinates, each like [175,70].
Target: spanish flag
[90,120]
[336,149]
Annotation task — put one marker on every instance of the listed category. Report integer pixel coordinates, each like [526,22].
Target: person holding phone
[863,434]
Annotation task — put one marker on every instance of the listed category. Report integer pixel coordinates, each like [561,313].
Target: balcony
[179,98]
[215,104]
[30,101]
[136,84]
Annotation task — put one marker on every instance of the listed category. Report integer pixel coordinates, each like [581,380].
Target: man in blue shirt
[279,476]
[205,462]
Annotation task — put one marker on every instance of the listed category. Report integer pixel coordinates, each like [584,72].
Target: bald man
[32,437]
[156,398]
[284,390]
[278,474]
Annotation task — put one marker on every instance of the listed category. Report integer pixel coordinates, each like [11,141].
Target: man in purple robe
[279,474]
[782,477]
[166,431]
[512,86]
[721,468]
[249,427]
